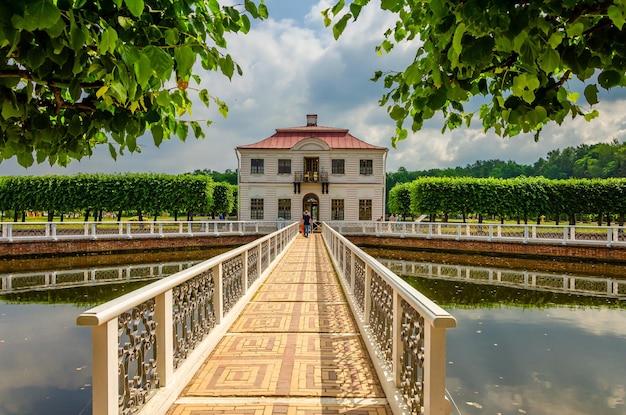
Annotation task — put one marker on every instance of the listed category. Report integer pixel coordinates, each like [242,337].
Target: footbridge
[285,324]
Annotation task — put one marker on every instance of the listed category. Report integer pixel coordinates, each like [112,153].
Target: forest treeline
[136,194]
[586,161]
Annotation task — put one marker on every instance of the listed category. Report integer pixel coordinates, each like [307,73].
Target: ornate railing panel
[406,330]
[412,359]
[359,282]
[253,262]
[381,315]
[193,314]
[232,280]
[141,338]
[563,235]
[138,375]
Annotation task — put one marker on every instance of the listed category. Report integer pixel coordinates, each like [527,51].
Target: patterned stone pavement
[295,350]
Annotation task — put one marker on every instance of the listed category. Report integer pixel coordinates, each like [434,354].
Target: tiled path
[295,350]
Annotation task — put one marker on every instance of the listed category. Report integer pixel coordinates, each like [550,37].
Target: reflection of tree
[79,296]
[460,294]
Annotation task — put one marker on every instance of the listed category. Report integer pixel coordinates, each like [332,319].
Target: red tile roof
[286,138]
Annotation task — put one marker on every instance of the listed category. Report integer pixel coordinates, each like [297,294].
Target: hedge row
[118,193]
[519,198]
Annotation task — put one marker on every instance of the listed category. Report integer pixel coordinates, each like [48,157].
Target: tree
[515,57]
[78,73]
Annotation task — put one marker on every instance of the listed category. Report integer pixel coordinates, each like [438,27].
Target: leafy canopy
[78,73]
[516,56]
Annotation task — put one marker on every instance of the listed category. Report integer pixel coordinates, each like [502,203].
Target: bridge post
[396,339]
[218,294]
[435,402]
[104,344]
[164,337]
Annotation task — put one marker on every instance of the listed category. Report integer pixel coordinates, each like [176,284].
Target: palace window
[256,209]
[366,167]
[284,209]
[256,166]
[339,166]
[365,209]
[336,209]
[284,166]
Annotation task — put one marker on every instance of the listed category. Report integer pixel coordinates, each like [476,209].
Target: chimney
[311,120]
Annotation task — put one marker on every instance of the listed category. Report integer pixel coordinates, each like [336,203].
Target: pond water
[515,351]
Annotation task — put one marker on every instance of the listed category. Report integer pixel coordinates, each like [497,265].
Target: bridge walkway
[295,349]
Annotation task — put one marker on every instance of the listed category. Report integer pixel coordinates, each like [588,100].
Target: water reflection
[45,358]
[517,350]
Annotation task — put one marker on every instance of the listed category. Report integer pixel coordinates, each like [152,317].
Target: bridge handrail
[142,340]
[489,232]
[53,231]
[404,328]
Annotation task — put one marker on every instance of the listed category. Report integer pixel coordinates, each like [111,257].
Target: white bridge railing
[158,335]
[54,231]
[401,327]
[562,234]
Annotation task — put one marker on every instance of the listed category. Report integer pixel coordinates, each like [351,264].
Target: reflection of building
[324,170]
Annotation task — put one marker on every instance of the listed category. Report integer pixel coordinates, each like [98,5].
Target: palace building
[325,170]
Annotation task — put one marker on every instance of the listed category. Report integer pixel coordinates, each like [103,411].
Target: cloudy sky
[292,67]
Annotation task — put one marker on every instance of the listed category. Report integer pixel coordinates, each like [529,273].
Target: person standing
[306,219]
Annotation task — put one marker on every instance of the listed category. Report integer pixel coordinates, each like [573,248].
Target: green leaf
[157,134]
[575,29]
[143,71]
[340,26]
[337,7]
[42,14]
[25,159]
[135,6]
[616,14]
[227,66]
[10,109]
[412,74]
[609,78]
[185,58]
[161,62]
[591,93]
[112,152]
[549,61]
[214,6]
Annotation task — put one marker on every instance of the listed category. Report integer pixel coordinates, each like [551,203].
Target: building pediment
[311,144]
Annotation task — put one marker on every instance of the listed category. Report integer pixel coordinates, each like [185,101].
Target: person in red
[306,219]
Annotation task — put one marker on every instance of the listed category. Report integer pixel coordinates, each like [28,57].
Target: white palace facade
[325,170]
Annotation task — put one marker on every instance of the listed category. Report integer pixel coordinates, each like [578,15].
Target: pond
[516,350]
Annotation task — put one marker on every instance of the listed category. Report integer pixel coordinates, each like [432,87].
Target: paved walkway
[295,350]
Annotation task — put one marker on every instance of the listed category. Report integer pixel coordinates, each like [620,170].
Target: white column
[104,343]
[164,337]
[435,402]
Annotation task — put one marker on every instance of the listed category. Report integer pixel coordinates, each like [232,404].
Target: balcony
[310,177]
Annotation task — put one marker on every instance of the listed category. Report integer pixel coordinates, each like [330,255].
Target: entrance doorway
[311,203]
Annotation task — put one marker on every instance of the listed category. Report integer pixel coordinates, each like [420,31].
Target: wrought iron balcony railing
[310,177]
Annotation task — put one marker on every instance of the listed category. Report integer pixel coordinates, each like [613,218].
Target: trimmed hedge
[519,198]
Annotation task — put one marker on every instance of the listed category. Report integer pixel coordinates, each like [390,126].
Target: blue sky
[293,66]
